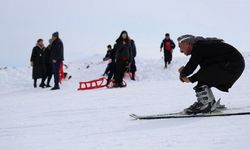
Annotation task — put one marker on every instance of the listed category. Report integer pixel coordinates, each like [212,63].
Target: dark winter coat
[220,64]
[108,55]
[167,47]
[123,51]
[37,57]
[57,50]
[47,60]
[47,54]
[133,54]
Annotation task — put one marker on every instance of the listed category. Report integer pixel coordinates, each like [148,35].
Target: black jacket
[123,51]
[47,55]
[110,55]
[220,64]
[57,50]
[133,49]
[37,57]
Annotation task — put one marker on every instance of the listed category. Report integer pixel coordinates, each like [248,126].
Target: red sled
[93,84]
[98,83]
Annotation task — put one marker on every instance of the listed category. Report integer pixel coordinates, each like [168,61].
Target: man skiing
[168,45]
[220,66]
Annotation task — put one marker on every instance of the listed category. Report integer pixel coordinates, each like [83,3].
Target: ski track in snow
[40,119]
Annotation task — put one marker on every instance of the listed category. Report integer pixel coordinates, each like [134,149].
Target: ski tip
[134,116]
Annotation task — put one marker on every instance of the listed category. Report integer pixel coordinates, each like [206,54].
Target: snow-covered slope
[67,119]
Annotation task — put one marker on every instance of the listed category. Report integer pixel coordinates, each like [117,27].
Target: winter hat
[55,34]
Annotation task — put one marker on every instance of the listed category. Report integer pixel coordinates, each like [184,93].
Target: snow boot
[205,101]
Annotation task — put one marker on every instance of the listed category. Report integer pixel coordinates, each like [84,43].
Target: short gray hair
[188,38]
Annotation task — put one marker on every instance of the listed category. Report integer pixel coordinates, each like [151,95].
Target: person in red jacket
[168,45]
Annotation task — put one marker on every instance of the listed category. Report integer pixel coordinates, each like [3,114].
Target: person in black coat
[57,58]
[48,63]
[107,57]
[123,57]
[168,45]
[133,55]
[220,66]
[110,70]
[37,62]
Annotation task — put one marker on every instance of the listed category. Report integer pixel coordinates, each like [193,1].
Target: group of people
[220,64]
[122,59]
[46,61]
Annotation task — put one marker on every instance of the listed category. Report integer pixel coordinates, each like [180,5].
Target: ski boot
[205,101]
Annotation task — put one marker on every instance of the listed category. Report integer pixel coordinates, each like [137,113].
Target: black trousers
[120,70]
[222,75]
[167,57]
[111,71]
[56,67]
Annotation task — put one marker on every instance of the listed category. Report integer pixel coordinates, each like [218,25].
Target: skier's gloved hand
[181,79]
[180,69]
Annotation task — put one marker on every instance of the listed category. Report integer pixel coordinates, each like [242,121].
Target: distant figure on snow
[168,45]
[106,58]
[123,57]
[220,66]
[37,62]
[133,55]
[48,63]
[57,58]
[110,70]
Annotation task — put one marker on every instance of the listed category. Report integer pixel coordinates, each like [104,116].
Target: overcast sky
[87,26]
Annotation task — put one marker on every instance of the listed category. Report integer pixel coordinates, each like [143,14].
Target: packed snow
[68,119]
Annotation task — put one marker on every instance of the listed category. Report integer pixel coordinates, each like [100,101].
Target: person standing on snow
[48,63]
[123,50]
[56,57]
[110,70]
[168,45]
[37,62]
[107,57]
[133,55]
[220,66]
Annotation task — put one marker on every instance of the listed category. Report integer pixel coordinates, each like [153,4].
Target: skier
[168,45]
[57,58]
[122,57]
[37,62]
[220,66]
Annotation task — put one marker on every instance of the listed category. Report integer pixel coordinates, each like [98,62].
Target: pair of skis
[220,111]
[180,115]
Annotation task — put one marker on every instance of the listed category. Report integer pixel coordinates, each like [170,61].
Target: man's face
[185,48]
[167,37]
